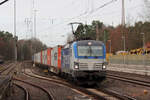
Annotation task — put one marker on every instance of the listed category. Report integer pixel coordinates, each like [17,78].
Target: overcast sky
[53,16]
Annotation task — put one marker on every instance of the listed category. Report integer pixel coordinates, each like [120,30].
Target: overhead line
[86,13]
[3,2]
[102,6]
[117,11]
[82,14]
[94,10]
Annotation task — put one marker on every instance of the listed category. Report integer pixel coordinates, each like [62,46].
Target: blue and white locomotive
[84,61]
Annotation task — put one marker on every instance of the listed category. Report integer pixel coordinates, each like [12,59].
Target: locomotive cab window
[94,51]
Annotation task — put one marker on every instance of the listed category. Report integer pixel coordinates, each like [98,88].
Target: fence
[130,59]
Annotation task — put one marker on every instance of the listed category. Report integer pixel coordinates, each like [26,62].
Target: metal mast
[35,22]
[123,34]
[15,38]
[123,25]
[123,13]
[27,22]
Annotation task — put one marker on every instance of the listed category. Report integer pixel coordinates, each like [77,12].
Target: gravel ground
[59,92]
[130,75]
[35,93]
[137,91]
[17,94]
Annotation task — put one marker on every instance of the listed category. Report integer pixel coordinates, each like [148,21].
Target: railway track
[96,93]
[26,97]
[99,94]
[130,80]
[79,90]
[29,93]
[6,79]
[117,94]
[5,67]
[9,69]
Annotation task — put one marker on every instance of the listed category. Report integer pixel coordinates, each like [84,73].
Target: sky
[53,16]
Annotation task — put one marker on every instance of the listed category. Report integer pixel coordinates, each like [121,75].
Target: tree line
[96,31]
[6,45]
[113,36]
[25,48]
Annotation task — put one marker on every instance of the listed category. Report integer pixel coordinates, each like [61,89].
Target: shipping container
[56,57]
[37,58]
[44,57]
[49,56]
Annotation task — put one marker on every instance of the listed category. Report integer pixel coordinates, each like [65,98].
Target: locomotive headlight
[76,65]
[104,66]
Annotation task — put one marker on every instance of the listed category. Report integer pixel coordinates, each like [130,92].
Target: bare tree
[146,10]
[26,48]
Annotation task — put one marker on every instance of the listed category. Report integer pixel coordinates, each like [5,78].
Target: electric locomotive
[84,61]
[81,61]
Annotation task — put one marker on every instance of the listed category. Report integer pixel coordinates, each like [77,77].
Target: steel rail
[3,90]
[86,91]
[125,79]
[25,91]
[37,86]
[130,78]
[116,94]
[8,66]
[107,92]
[6,83]
[53,80]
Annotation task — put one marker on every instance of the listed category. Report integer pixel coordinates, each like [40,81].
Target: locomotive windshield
[94,51]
